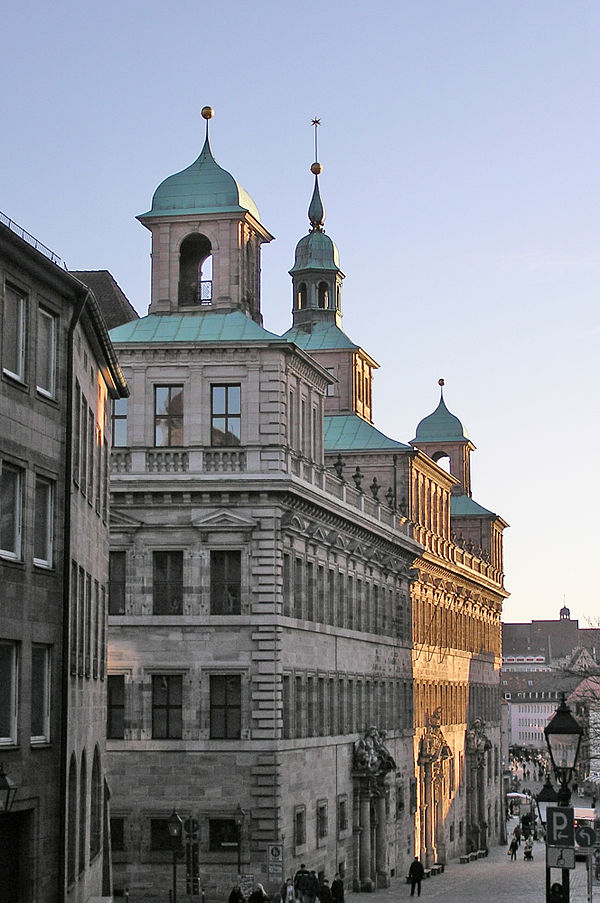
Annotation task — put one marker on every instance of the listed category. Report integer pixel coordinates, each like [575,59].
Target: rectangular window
[330,386]
[287,587]
[46,353]
[95,629]
[310,591]
[226,415]
[10,692]
[342,814]
[73,620]
[225,706]
[40,694]
[167,583]
[320,594]
[291,424]
[102,633]
[83,413]
[299,826]
[115,707]
[117,581]
[88,623]
[43,532]
[322,825]
[297,587]
[76,432]
[168,416]
[91,453]
[117,834]
[119,422]
[11,510]
[13,333]
[222,834]
[167,706]
[160,839]
[287,707]
[225,582]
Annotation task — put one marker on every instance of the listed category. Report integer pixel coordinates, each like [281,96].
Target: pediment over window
[225,520]
[123,523]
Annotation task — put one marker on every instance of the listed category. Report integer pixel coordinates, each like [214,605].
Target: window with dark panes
[167,708]
[40,694]
[342,814]
[10,693]
[168,415]
[160,839]
[11,507]
[222,834]
[83,413]
[117,834]
[167,583]
[13,333]
[225,706]
[115,707]
[226,415]
[225,581]
[46,353]
[322,827]
[117,581]
[119,422]
[43,533]
[300,826]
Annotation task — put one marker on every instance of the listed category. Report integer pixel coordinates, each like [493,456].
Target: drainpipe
[68,491]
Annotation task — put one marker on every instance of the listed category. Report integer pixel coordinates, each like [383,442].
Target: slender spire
[316,209]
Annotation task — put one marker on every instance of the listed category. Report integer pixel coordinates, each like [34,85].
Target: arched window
[338,298]
[442,460]
[96,806]
[72,821]
[301,299]
[82,812]
[195,270]
[323,295]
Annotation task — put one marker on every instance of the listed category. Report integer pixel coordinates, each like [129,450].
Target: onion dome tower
[206,240]
[316,274]
[442,435]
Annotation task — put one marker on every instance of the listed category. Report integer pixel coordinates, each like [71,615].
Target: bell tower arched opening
[442,459]
[301,297]
[323,296]
[195,271]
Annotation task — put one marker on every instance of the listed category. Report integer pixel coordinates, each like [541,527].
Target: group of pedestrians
[515,843]
[305,887]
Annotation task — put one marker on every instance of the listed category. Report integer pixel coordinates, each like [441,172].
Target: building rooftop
[465,506]
[320,336]
[112,300]
[349,432]
[195,326]
[441,426]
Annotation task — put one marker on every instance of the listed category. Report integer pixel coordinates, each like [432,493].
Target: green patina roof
[349,432]
[207,326]
[441,426]
[316,251]
[204,187]
[323,336]
[464,506]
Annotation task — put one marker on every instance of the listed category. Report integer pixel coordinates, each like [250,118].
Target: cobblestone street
[492,880]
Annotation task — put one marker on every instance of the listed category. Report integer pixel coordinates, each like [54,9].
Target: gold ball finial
[441,382]
[207,112]
[316,169]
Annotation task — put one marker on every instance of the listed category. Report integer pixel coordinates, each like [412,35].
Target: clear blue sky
[460,145]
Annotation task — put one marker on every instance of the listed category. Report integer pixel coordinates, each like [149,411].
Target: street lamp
[563,736]
[239,816]
[175,825]
[8,791]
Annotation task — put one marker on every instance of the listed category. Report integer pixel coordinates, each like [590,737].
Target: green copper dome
[316,251]
[204,187]
[441,426]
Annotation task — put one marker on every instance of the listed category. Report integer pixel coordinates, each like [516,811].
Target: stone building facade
[58,376]
[303,658]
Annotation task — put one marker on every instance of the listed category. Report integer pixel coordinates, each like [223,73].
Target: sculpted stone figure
[371,755]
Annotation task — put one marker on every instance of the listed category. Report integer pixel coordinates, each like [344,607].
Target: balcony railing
[196,295]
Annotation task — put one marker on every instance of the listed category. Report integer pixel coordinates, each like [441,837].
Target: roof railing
[31,240]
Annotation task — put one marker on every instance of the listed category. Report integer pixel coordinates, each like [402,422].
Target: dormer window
[195,271]
[323,296]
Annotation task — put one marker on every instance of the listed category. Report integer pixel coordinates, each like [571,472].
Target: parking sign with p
[561,830]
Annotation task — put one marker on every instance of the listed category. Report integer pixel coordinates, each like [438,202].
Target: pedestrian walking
[337,889]
[325,892]
[514,846]
[300,882]
[416,874]
[259,895]
[528,850]
[286,893]
[236,895]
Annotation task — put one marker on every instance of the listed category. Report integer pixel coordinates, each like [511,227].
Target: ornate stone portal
[434,752]
[477,745]
[371,765]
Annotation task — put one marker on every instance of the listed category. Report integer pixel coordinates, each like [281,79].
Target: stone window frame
[342,820]
[322,822]
[159,670]
[147,854]
[119,412]
[170,418]
[168,551]
[19,375]
[46,560]
[124,707]
[299,828]
[227,415]
[44,310]
[45,690]
[12,697]
[224,550]
[15,554]
[225,674]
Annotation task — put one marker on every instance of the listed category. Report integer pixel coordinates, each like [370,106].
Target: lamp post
[239,816]
[175,825]
[8,791]
[563,736]
[546,797]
